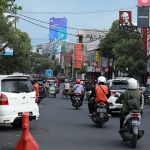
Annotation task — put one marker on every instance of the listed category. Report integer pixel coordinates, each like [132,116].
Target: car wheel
[17,124]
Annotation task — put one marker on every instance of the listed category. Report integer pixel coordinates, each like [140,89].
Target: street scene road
[62,127]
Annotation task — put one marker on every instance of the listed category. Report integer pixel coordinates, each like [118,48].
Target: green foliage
[126,49]
[82,70]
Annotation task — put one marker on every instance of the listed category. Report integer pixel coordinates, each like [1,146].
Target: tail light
[77,94]
[135,115]
[3,99]
[102,103]
[113,93]
[36,99]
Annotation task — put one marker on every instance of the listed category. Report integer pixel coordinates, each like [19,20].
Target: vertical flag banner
[125,18]
[58,34]
[78,56]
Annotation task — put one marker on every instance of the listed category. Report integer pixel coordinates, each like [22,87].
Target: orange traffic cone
[26,141]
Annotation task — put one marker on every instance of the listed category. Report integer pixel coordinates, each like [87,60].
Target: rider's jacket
[78,88]
[101,91]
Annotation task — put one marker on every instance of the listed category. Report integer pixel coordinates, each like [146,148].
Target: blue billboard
[58,34]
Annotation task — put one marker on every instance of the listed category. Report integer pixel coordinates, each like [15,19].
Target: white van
[17,96]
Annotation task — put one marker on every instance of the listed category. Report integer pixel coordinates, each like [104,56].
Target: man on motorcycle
[101,93]
[67,87]
[88,87]
[78,88]
[125,97]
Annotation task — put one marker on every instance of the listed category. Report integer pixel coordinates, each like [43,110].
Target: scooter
[131,132]
[76,100]
[100,115]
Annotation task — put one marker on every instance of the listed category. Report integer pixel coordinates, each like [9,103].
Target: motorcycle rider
[78,88]
[67,87]
[143,88]
[88,88]
[101,93]
[132,86]
[147,92]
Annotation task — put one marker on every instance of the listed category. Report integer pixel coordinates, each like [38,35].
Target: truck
[49,73]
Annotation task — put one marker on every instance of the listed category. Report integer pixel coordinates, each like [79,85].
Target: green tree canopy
[126,49]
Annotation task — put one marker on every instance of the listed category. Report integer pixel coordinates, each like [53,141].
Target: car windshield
[118,85]
[52,78]
[40,82]
[16,86]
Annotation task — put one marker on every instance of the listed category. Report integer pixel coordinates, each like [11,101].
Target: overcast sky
[100,20]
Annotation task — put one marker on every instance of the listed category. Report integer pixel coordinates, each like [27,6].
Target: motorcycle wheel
[100,123]
[76,107]
[133,141]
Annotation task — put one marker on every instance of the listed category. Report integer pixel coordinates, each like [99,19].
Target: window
[118,85]
[16,86]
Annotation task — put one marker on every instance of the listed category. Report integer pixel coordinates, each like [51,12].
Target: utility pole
[71,67]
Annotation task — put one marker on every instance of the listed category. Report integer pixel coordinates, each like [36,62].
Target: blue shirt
[78,88]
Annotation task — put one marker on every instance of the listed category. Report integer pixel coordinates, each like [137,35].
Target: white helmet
[101,79]
[132,83]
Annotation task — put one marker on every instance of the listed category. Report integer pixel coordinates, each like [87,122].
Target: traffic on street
[63,127]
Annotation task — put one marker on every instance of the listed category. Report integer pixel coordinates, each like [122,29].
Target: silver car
[117,87]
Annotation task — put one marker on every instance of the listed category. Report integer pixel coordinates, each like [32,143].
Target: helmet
[101,79]
[78,81]
[132,83]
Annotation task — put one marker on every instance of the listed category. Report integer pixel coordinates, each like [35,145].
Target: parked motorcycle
[100,115]
[131,131]
[76,100]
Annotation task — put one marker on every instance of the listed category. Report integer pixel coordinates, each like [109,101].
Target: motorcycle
[76,100]
[131,132]
[88,95]
[147,99]
[100,115]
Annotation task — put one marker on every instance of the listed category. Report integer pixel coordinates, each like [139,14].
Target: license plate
[134,121]
[77,99]
[20,114]
[101,110]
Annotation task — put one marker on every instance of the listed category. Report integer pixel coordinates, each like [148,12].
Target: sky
[101,20]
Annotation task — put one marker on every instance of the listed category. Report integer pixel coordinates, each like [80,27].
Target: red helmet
[78,81]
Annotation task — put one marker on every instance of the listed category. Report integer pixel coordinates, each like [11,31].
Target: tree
[125,48]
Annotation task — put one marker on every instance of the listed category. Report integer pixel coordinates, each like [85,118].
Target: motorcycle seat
[135,111]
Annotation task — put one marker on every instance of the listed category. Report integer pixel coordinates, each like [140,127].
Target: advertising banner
[58,34]
[143,17]
[125,18]
[143,2]
[78,56]
[97,57]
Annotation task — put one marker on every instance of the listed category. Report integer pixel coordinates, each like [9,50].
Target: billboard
[125,18]
[143,2]
[78,56]
[143,17]
[58,34]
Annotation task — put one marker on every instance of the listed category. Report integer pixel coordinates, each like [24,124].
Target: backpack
[133,102]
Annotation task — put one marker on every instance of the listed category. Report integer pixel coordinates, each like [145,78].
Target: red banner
[125,18]
[94,63]
[143,2]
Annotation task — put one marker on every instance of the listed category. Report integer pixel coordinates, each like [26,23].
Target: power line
[46,27]
[80,12]
[61,26]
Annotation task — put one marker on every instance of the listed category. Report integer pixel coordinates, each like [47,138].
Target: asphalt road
[62,127]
